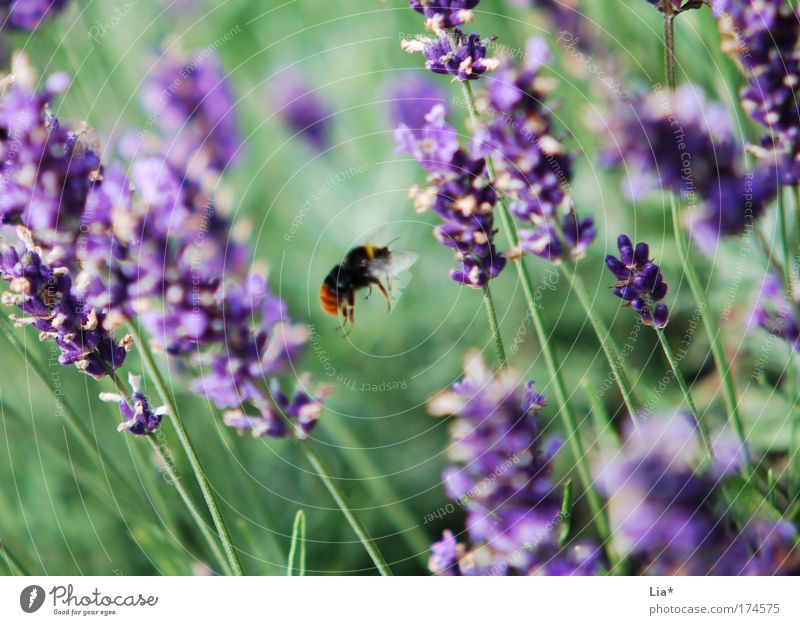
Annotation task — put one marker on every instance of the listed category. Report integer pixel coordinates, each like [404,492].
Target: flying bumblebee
[364,267]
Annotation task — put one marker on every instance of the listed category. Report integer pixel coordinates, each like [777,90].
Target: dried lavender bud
[639,281]
[137,416]
[467,61]
[501,475]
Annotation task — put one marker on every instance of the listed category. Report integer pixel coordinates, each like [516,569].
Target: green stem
[83,436]
[333,488]
[298,538]
[401,517]
[197,468]
[15,565]
[717,350]
[784,230]
[603,336]
[175,481]
[564,409]
[494,326]
[673,363]
[669,41]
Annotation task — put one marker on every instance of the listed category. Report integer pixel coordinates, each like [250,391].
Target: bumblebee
[364,267]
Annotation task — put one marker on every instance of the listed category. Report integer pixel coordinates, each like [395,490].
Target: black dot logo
[31,598]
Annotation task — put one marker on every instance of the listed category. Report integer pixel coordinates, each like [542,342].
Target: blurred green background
[59,511]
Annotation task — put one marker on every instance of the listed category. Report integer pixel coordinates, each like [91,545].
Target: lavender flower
[685,145]
[639,281]
[763,37]
[466,61]
[443,14]
[460,193]
[164,251]
[501,475]
[193,106]
[28,14]
[137,416]
[533,169]
[776,312]
[664,515]
[301,109]
[46,297]
[47,170]
[410,99]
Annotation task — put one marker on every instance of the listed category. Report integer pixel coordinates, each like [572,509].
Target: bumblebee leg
[369,286]
[383,291]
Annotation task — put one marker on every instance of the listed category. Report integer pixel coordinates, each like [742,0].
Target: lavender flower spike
[139,418]
[444,14]
[501,475]
[460,193]
[467,61]
[665,514]
[639,281]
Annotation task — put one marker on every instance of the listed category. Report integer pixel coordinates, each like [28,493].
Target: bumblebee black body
[360,270]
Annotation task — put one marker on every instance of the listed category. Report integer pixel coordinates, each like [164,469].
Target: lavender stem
[717,350]
[673,363]
[565,410]
[604,337]
[197,468]
[491,314]
[201,523]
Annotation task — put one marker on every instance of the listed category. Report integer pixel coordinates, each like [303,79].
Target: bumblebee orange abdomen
[328,301]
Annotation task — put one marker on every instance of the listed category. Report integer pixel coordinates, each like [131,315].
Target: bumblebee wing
[397,274]
[401,261]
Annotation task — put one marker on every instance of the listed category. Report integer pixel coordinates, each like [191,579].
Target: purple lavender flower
[193,106]
[776,313]
[501,475]
[152,244]
[685,145]
[444,14]
[28,14]
[664,515]
[468,61]
[301,109]
[534,171]
[47,170]
[46,297]
[460,193]
[409,100]
[763,37]
[639,281]
[138,417]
